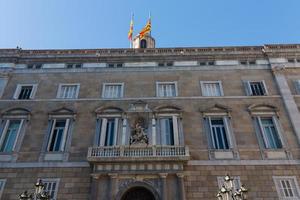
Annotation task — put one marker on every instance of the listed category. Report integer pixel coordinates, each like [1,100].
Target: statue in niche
[138,136]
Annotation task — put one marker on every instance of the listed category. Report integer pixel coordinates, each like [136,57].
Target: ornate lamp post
[39,193]
[226,192]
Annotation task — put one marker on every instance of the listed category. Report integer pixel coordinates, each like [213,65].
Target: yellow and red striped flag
[130,32]
[146,29]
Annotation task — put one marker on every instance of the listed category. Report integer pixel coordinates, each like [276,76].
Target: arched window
[143,44]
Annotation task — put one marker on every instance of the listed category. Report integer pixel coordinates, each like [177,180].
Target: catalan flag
[130,32]
[146,29]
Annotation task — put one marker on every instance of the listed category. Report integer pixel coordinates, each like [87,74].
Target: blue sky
[51,24]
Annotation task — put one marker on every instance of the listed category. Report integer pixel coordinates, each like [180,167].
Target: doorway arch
[138,193]
[138,190]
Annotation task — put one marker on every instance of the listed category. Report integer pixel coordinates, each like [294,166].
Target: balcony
[138,153]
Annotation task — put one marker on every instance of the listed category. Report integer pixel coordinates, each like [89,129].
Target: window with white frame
[218,131]
[25,91]
[256,88]
[2,184]
[166,89]
[287,187]
[112,90]
[168,129]
[270,132]
[297,86]
[108,131]
[51,187]
[58,135]
[10,133]
[211,88]
[68,91]
[236,182]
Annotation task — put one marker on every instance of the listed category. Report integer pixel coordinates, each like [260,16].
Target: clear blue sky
[50,24]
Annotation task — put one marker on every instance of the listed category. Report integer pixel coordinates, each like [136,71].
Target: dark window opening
[143,44]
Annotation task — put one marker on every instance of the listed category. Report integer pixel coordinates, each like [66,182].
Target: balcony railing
[135,153]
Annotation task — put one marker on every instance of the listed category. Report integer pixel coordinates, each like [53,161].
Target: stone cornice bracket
[278,68]
[113,175]
[163,175]
[180,175]
[95,176]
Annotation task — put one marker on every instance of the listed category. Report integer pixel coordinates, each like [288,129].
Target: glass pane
[25,92]
[219,136]
[212,89]
[270,134]
[10,136]
[57,135]
[110,132]
[167,133]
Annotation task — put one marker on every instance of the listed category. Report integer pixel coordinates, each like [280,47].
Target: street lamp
[39,193]
[226,192]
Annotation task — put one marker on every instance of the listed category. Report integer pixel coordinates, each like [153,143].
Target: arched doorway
[138,193]
[143,44]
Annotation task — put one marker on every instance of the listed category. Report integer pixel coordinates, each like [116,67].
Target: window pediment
[263,109]
[62,112]
[109,111]
[16,113]
[217,109]
[168,109]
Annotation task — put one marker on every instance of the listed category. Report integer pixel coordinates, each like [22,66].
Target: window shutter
[65,134]
[297,86]
[50,132]
[208,131]
[180,131]
[34,88]
[98,133]
[124,137]
[116,131]
[17,92]
[278,129]
[103,131]
[228,131]
[265,87]
[262,133]
[247,88]
[175,130]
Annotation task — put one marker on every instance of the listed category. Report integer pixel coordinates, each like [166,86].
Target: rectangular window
[68,91]
[211,88]
[256,88]
[109,128]
[25,91]
[112,90]
[166,89]
[58,135]
[51,187]
[2,184]
[218,133]
[287,187]
[10,135]
[269,133]
[297,86]
[167,131]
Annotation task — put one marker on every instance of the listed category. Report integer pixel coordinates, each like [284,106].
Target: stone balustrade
[135,153]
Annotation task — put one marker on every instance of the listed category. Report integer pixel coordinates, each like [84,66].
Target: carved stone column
[113,185]
[95,186]
[180,177]
[164,189]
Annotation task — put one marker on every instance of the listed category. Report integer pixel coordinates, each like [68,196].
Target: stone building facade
[162,123]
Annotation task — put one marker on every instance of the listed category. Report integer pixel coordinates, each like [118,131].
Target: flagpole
[150,20]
